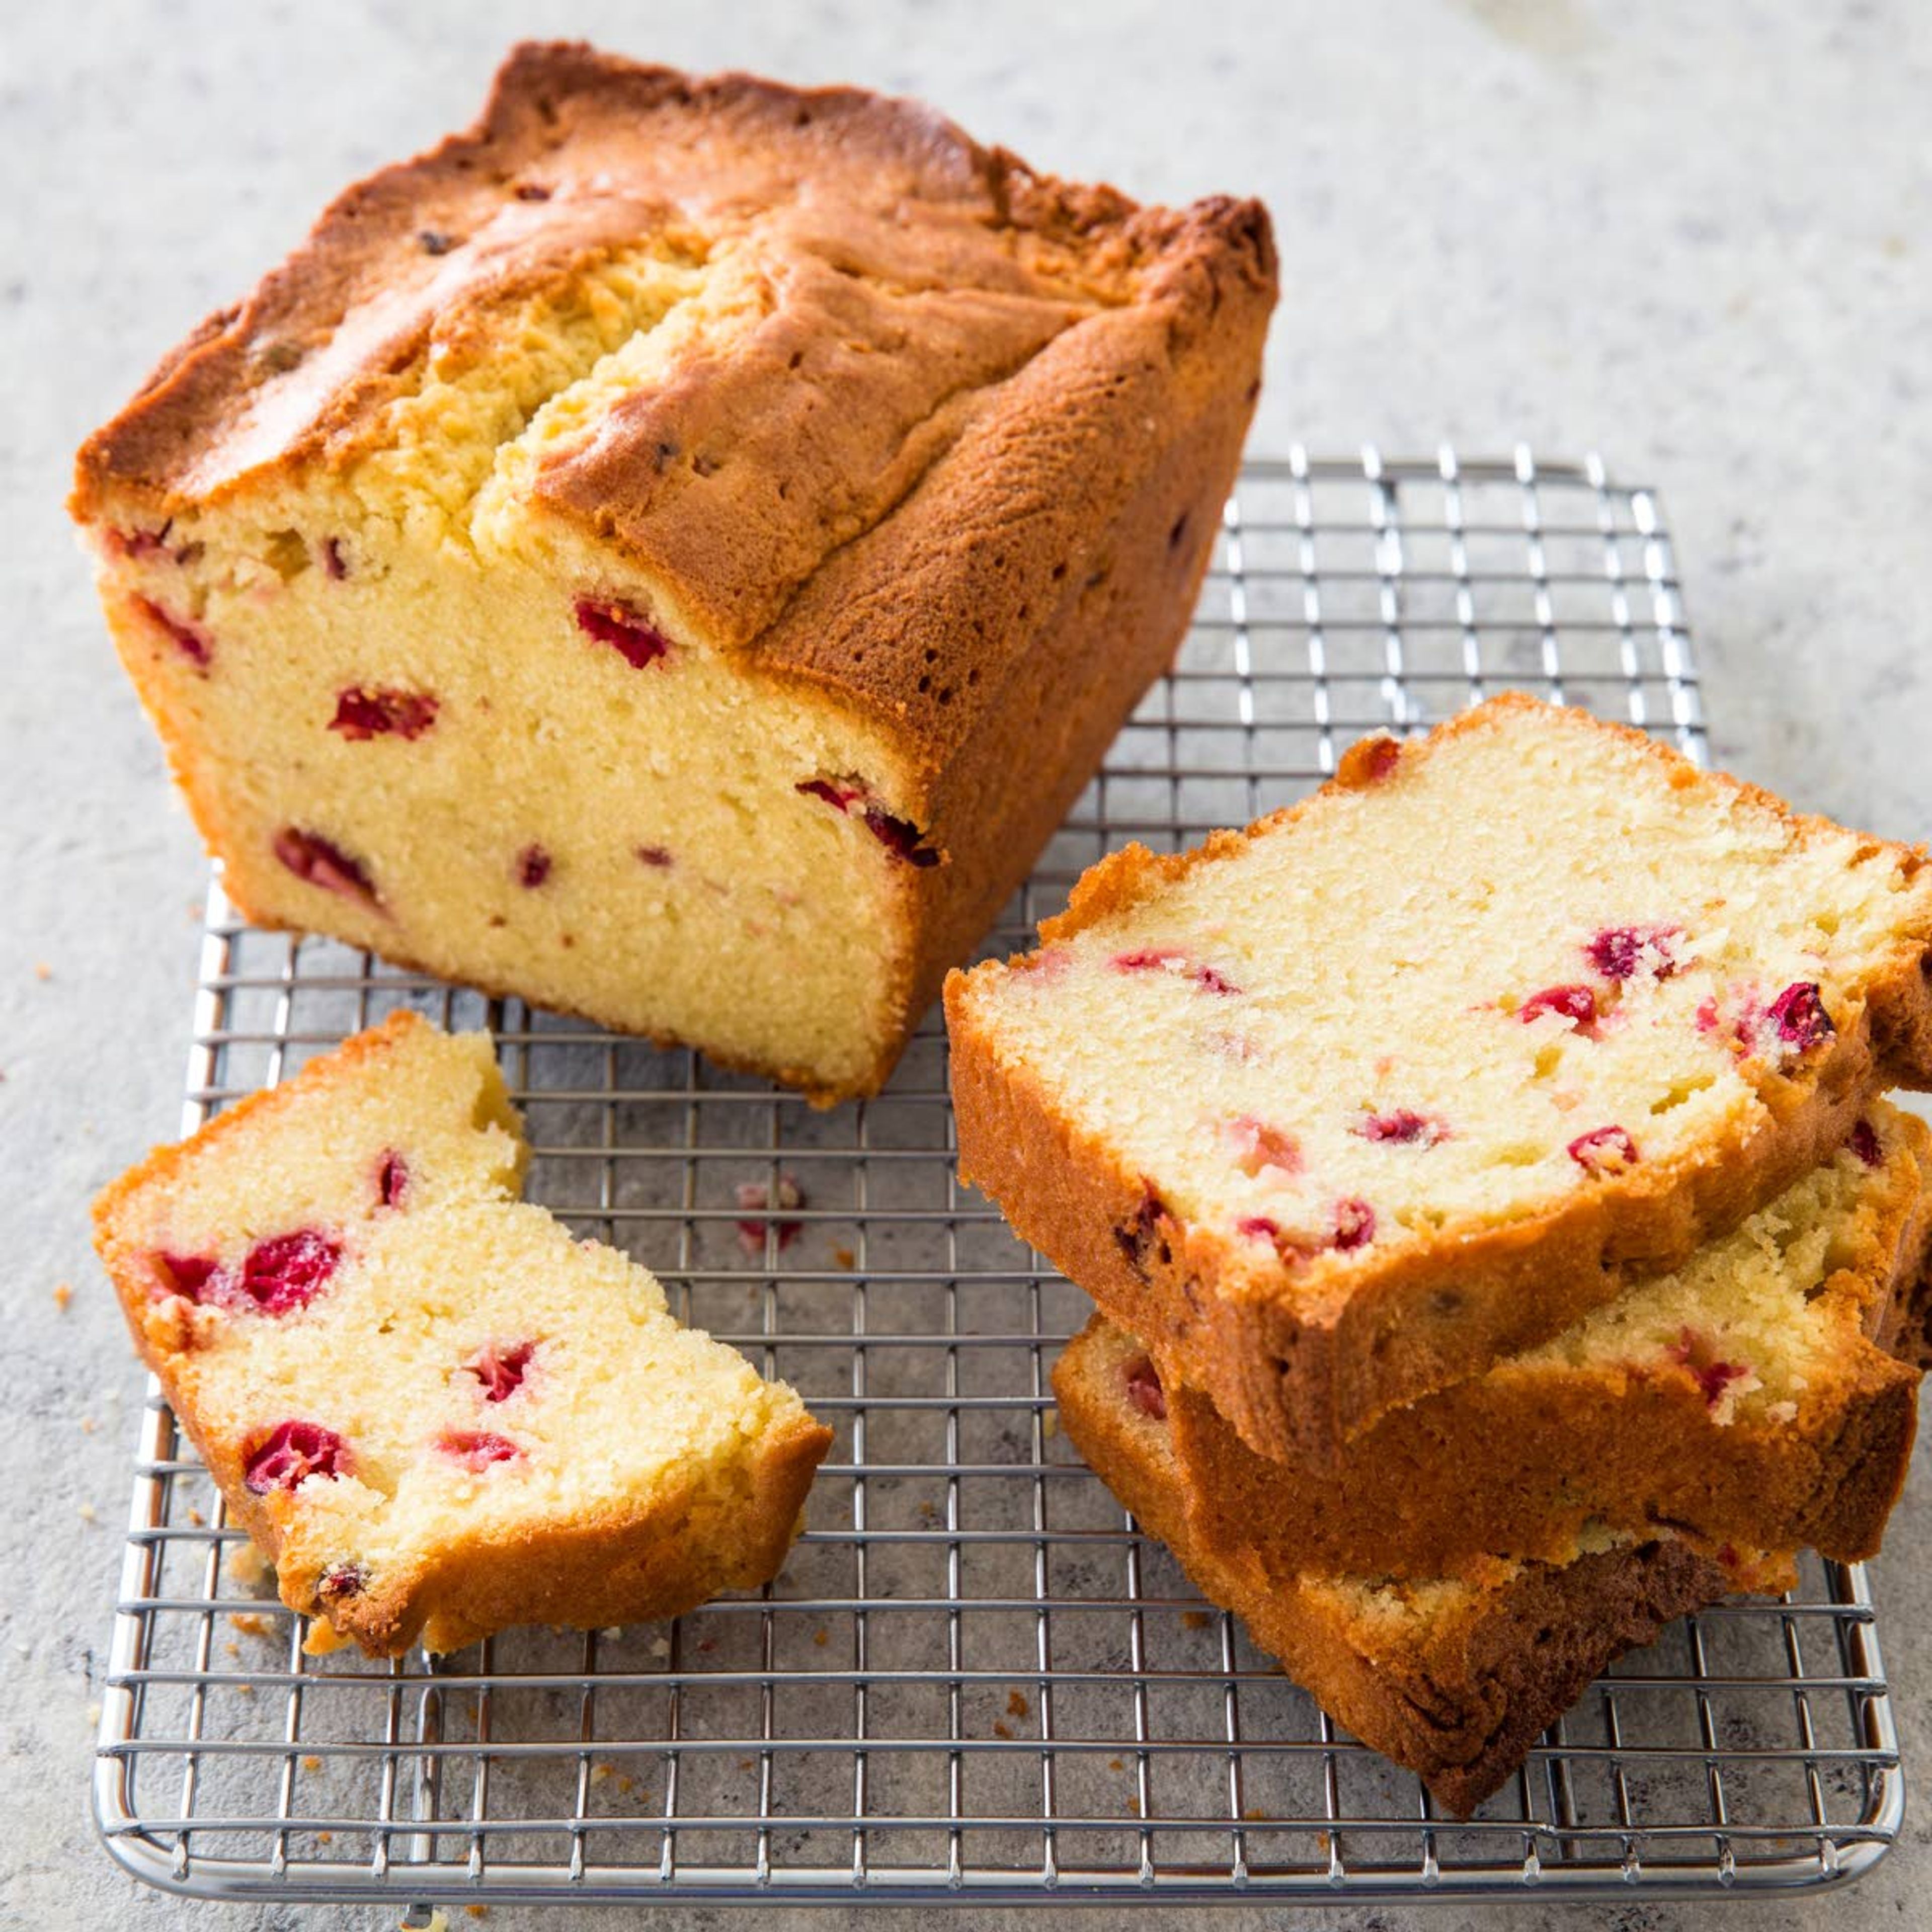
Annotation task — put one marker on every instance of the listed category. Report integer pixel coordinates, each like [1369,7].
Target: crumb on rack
[1049,1422]
[248,1565]
[1001,1729]
[1017,1705]
[63,1295]
[821,1637]
[754,1195]
[43,971]
[195,1516]
[87,1425]
[88,1513]
[250,1623]
[1195,1619]
[845,1258]
[311,1762]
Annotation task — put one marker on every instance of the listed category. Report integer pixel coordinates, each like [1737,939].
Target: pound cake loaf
[434,1410]
[676,550]
[1453,1678]
[1755,1396]
[1337,1111]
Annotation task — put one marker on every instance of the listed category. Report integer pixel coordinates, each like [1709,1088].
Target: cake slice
[1453,1678]
[676,550]
[1755,1396]
[1337,1111]
[437,1413]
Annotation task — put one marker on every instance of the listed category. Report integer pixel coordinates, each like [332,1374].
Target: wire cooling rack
[972,1681]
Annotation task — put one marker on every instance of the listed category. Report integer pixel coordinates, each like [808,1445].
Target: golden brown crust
[1460,1694]
[1301,1374]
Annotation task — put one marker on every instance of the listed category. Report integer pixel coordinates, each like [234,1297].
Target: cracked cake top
[724,326]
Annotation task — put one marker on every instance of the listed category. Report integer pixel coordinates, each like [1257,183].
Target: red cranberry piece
[1144,1388]
[292,1452]
[1136,1238]
[189,1275]
[1617,951]
[655,855]
[1373,760]
[1604,1150]
[638,642]
[362,713]
[290,1270]
[838,792]
[1172,959]
[500,1367]
[1258,1146]
[1354,1223]
[476,1449]
[531,191]
[533,867]
[1261,1228]
[320,862]
[900,837]
[392,1180]
[1405,1127]
[1577,1004]
[342,1580]
[1864,1143]
[333,561]
[1798,1013]
[135,544]
[1713,1377]
[753,1194]
[187,639]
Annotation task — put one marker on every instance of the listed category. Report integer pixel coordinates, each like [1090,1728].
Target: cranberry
[636,641]
[1354,1223]
[1405,1127]
[392,1180]
[501,1367]
[838,792]
[190,1274]
[1260,1228]
[187,640]
[333,561]
[1258,1146]
[753,1195]
[1577,1004]
[1172,959]
[900,837]
[343,1580]
[657,856]
[1604,1151]
[1144,1388]
[1617,951]
[1799,1015]
[1136,1238]
[1375,758]
[290,1270]
[292,1452]
[135,544]
[531,191]
[362,713]
[476,1449]
[320,862]
[533,867]
[1864,1143]
[1712,1377]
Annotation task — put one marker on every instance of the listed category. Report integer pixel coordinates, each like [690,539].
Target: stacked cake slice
[1501,1241]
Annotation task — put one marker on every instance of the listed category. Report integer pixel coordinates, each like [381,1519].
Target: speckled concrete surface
[1694,238]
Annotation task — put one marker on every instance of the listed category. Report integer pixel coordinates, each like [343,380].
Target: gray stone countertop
[1696,239]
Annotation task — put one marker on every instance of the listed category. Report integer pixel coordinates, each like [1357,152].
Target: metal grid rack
[972,1680]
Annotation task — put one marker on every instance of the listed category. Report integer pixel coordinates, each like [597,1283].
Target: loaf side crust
[1552,1448]
[1460,1697]
[1300,1371]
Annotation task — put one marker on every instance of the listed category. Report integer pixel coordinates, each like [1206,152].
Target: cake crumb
[1115,1764]
[248,1565]
[93,1714]
[1017,1705]
[845,1258]
[311,1762]
[626,1784]
[821,1637]
[231,1650]
[1049,1422]
[195,1516]
[87,1425]
[1195,1619]
[1254,1814]
[661,1646]
[1001,1729]
[251,1624]
[87,1513]
[43,971]
[748,1764]
[476,1911]
[325,1838]
[1133,1805]
[599,1773]
[63,1295]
